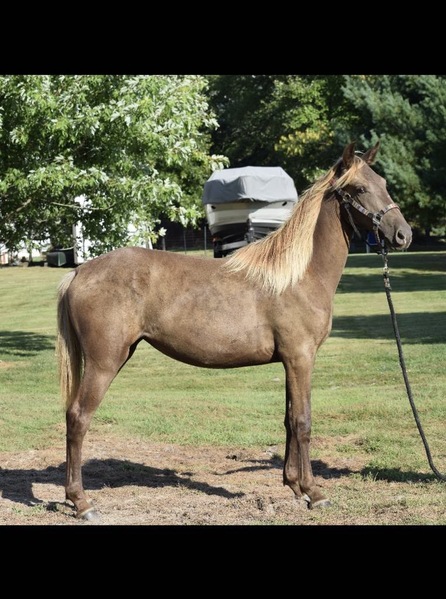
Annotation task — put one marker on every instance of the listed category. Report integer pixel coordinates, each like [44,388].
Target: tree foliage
[135,148]
[278,120]
[302,123]
[407,114]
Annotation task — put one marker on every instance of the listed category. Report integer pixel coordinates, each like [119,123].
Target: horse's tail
[68,349]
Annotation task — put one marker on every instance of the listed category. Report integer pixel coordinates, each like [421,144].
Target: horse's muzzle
[402,238]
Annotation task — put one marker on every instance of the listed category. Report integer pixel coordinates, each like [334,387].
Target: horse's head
[364,195]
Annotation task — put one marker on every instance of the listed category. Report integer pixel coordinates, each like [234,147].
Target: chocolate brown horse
[278,303]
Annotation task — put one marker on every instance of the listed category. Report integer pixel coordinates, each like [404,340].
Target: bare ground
[134,482]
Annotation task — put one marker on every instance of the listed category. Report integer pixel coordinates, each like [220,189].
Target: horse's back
[132,277]
[190,308]
[121,259]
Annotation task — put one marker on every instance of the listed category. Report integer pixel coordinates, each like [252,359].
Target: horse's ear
[348,155]
[370,155]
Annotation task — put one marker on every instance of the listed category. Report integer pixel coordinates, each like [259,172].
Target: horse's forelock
[348,175]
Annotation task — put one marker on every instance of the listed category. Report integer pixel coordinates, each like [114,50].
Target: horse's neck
[331,244]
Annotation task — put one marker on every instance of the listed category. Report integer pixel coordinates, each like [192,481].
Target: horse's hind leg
[93,387]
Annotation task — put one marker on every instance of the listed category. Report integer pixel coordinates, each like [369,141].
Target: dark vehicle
[61,257]
[245,204]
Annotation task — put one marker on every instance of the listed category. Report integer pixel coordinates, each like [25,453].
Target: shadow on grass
[392,475]
[17,485]
[413,327]
[25,344]
[435,261]
[373,282]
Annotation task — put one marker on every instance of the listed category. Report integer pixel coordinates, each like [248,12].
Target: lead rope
[347,200]
[387,288]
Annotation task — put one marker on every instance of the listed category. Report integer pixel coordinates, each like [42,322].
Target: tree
[239,102]
[136,148]
[279,120]
[302,123]
[406,113]
[309,105]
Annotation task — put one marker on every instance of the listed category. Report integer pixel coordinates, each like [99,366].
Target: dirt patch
[133,482]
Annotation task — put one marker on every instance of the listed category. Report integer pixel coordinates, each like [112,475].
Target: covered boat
[245,204]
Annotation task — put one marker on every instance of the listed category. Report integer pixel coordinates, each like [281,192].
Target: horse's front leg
[297,471]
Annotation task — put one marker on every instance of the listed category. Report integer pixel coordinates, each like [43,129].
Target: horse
[278,291]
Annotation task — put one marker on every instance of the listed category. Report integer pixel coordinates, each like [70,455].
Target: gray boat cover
[257,183]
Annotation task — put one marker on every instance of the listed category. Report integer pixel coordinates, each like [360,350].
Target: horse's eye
[361,190]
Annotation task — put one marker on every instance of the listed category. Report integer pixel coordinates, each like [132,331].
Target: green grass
[359,399]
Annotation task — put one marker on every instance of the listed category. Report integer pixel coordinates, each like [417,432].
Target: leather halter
[347,200]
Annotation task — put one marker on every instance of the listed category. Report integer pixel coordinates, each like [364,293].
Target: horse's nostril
[402,239]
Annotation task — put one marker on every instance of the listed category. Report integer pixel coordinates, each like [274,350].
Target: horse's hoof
[89,514]
[321,503]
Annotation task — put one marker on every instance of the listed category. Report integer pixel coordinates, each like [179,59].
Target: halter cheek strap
[347,200]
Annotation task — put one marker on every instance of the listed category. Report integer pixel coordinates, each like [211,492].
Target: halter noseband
[347,200]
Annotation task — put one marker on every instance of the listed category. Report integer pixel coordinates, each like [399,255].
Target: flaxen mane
[281,258]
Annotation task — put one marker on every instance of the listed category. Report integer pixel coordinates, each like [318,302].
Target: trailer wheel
[218,249]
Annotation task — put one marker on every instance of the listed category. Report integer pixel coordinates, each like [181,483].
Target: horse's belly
[212,348]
